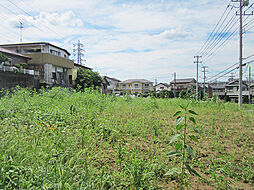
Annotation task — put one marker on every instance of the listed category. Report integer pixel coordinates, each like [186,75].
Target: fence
[16,70]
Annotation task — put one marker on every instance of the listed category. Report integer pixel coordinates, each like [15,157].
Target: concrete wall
[10,80]
[47,58]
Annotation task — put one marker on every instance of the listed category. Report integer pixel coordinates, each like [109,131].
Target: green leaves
[179,120]
[195,129]
[174,138]
[189,149]
[171,172]
[191,171]
[172,153]
[192,112]
[182,149]
[177,113]
[178,127]
[178,146]
[193,138]
[192,120]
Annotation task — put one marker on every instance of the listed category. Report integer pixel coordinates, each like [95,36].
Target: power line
[221,35]
[211,34]
[218,34]
[28,15]
[32,16]
[247,63]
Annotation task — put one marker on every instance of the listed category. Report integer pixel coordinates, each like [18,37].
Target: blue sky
[148,39]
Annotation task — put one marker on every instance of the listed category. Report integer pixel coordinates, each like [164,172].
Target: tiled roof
[112,78]
[187,80]
[3,50]
[136,80]
[165,84]
[35,43]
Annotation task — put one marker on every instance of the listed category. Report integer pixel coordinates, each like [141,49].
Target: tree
[3,58]
[88,79]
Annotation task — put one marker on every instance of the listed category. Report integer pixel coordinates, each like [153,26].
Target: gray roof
[35,43]
[136,80]
[82,66]
[187,80]
[112,78]
[3,50]
[165,84]
[236,83]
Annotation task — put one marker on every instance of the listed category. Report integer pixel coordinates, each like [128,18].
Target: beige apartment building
[52,62]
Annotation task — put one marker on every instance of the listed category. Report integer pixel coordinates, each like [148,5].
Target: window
[136,85]
[124,85]
[54,76]
[161,88]
[55,52]
[147,86]
[230,89]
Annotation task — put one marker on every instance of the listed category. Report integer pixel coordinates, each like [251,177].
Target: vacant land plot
[71,140]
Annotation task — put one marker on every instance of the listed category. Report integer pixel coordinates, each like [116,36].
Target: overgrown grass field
[55,139]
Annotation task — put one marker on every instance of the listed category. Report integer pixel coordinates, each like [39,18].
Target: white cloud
[67,19]
[126,39]
[174,34]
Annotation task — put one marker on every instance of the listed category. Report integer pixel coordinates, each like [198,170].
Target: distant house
[136,86]
[183,84]
[13,72]
[219,89]
[162,86]
[112,85]
[232,90]
[13,57]
[52,62]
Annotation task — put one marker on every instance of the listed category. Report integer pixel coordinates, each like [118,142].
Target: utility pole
[204,71]
[174,89]
[78,51]
[155,80]
[197,62]
[250,85]
[242,3]
[21,27]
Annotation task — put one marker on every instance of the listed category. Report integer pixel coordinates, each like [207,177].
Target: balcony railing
[16,70]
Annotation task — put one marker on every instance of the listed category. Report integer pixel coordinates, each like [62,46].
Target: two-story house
[52,62]
[232,90]
[162,86]
[136,86]
[183,84]
[219,89]
[112,85]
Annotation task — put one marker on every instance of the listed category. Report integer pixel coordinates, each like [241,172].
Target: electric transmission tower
[78,51]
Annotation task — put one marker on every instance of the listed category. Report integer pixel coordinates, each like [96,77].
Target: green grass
[57,139]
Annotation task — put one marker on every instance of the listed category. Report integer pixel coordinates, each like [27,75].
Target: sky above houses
[148,39]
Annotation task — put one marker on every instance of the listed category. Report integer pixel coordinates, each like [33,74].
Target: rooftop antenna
[21,27]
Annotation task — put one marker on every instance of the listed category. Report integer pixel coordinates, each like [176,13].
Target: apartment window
[230,90]
[55,52]
[124,85]
[136,85]
[147,86]
[54,76]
